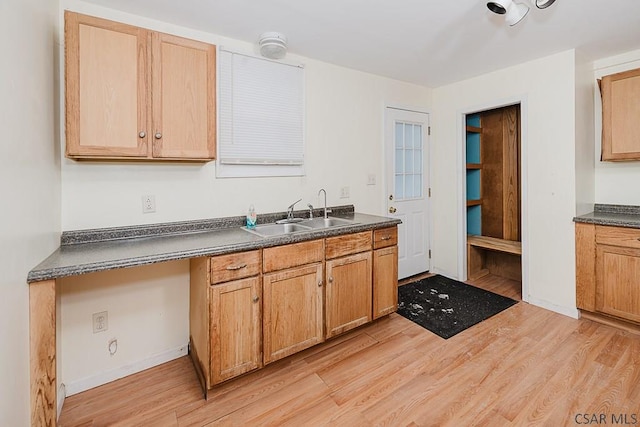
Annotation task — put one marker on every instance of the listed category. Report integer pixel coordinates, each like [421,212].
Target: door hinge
[429,253]
[429,191]
[429,130]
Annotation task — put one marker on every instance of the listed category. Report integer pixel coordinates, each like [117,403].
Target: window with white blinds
[260,116]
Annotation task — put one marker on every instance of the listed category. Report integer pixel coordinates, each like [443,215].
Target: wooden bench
[480,263]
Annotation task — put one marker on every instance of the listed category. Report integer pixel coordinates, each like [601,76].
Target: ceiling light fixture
[273,45]
[514,12]
[543,4]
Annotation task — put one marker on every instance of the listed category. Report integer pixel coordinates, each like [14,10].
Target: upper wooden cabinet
[620,112]
[132,93]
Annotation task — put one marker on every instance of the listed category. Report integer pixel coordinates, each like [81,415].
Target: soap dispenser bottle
[251,218]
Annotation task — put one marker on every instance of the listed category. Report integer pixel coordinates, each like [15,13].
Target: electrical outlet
[344,193]
[371,179]
[100,322]
[148,203]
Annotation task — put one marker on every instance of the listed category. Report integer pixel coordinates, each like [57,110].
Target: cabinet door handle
[256,298]
[142,134]
[236,267]
[385,238]
[330,279]
[320,284]
[158,135]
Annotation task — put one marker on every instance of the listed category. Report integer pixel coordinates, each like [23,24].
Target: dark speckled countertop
[88,251]
[614,215]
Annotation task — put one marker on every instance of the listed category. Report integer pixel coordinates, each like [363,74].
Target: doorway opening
[493,195]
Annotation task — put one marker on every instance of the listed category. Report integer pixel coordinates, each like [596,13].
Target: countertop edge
[52,273]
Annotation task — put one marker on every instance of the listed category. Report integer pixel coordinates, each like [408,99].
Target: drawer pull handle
[385,238]
[256,298]
[236,267]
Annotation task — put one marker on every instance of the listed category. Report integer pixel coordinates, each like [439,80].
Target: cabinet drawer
[288,256]
[385,237]
[234,266]
[618,236]
[348,244]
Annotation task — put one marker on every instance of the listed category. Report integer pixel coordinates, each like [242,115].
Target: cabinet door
[348,297]
[292,311]
[235,328]
[183,98]
[385,281]
[620,112]
[618,281]
[106,88]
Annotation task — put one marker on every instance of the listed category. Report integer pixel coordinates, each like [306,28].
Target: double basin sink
[297,225]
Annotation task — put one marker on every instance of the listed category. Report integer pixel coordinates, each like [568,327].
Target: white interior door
[407,186]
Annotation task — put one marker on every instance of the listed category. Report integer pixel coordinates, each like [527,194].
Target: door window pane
[408,160]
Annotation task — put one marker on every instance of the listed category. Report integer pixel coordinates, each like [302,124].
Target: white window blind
[261,112]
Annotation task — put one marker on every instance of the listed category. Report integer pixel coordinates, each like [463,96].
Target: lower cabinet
[348,293]
[385,271]
[249,309]
[236,328]
[385,281]
[608,271]
[225,321]
[292,311]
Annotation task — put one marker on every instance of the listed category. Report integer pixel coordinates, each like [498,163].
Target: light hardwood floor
[525,366]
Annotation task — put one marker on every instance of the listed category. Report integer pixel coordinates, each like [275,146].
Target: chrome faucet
[310,210]
[322,190]
[290,209]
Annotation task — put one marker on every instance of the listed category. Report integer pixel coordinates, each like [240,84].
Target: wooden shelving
[474,165]
[474,129]
[477,202]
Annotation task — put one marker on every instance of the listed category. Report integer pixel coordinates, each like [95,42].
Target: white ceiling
[428,42]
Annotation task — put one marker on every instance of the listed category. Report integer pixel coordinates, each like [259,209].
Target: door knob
[392,210]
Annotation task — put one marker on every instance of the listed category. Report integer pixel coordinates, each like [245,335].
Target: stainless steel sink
[328,222]
[274,230]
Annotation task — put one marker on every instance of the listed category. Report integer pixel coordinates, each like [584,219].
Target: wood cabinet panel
[385,281]
[107,87]
[620,112]
[199,313]
[281,257]
[385,237]
[586,266]
[184,98]
[348,293]
[618,236]
[618,282]
[348,244]
[236,328]
[235,266]
[292,313]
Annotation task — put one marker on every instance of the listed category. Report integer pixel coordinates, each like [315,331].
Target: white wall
[29,182]
[547,90]
[585,135]
[344,144]
[615,182]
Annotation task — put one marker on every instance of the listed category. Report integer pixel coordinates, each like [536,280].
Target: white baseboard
[567,311]
[74,387]
[62,394]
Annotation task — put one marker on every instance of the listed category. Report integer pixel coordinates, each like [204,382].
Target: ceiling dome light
[515,13]
[543,4]
[273,45]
